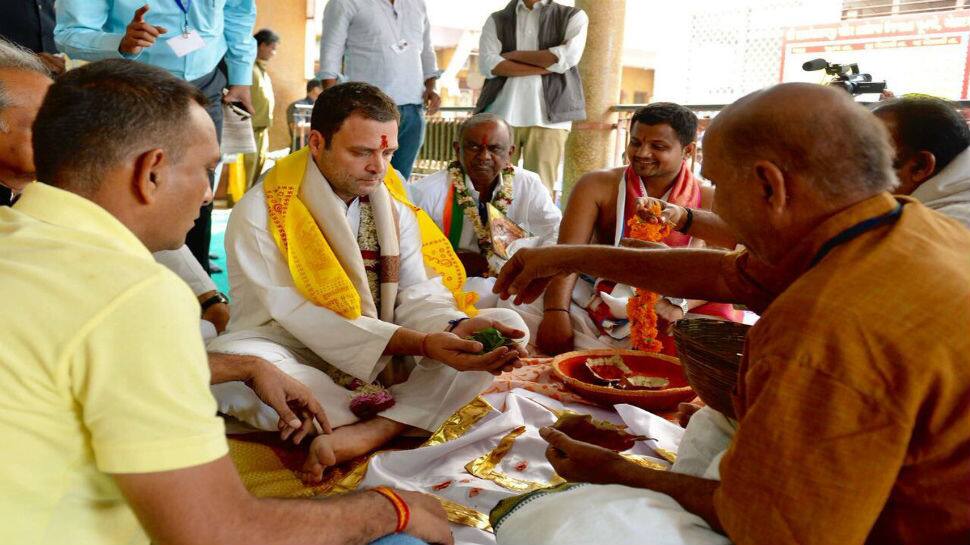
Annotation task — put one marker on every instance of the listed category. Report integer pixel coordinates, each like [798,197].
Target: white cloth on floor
[949,191]
[423,468]
[532,208]
[613,514]
[270,318]
[622,515]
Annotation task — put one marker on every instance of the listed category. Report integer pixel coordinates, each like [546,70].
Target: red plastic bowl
[571,369]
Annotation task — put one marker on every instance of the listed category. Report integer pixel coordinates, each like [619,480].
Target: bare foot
[320,457]
[345,443]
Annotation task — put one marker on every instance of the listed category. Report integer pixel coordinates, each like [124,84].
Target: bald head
[811,132]
[481,119]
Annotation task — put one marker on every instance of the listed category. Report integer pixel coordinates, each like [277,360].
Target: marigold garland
[648,226]
[501,200]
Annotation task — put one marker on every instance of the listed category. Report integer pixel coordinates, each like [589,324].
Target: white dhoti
[483,288]
[614,514]
[622,515]
[432,392]
[274,320]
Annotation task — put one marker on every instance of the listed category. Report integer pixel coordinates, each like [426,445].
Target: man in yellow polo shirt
[106,416]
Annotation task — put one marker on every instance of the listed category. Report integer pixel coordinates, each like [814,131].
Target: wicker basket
[710,351]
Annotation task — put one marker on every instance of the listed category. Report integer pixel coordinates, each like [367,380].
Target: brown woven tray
[710,351]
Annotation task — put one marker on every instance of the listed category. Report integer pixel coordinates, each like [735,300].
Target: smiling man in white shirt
[529,51]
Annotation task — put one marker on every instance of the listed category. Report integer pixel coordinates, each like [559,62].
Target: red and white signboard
[926,53]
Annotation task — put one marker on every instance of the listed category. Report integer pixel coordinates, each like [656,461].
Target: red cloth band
[403,512]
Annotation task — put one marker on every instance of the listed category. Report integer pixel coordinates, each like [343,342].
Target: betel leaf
[491,339]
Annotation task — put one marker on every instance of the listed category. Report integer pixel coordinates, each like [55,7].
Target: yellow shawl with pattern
[316,271]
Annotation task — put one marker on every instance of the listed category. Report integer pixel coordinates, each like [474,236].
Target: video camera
[846,76]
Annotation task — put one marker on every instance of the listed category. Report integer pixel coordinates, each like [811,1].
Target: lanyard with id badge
[401,44]
[189,39]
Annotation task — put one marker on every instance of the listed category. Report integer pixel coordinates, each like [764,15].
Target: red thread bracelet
[400,506]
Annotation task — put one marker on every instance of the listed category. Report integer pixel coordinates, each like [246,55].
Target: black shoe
[213,256]
[214,269]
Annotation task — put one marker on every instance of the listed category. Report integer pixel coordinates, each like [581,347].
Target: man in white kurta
[932,143]
[483,150]
[274,319]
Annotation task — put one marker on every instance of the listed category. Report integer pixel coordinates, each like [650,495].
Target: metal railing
[442,131]
[300,131]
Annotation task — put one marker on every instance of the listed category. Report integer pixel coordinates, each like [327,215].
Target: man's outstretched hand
[530,270]
[581,462]
[139,34]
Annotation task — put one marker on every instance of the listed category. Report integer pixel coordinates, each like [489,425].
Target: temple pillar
[590,144]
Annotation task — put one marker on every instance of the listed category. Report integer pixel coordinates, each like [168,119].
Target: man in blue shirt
[208,43]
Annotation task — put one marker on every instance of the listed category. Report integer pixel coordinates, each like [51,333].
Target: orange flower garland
[646,225]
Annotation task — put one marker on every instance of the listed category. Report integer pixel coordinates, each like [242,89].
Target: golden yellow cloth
[316,271]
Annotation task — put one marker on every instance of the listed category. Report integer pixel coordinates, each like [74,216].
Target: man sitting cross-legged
[853,392]
[345,285]
[456,199]
[584,312]
[109,427]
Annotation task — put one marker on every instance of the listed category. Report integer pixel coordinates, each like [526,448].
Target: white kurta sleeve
[542,216]
[262,279]
[337,17]
[489,49]
[571,50]
[183,263]
[423,301]
[429,61]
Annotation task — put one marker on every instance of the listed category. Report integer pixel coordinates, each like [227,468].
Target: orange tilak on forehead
[383,141]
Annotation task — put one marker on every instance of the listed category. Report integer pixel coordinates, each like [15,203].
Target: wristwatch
[679,302]
[219,297]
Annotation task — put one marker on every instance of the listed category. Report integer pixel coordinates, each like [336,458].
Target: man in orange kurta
[855,392]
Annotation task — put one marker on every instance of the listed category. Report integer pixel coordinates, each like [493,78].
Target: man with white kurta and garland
[347,286]
[487,207]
